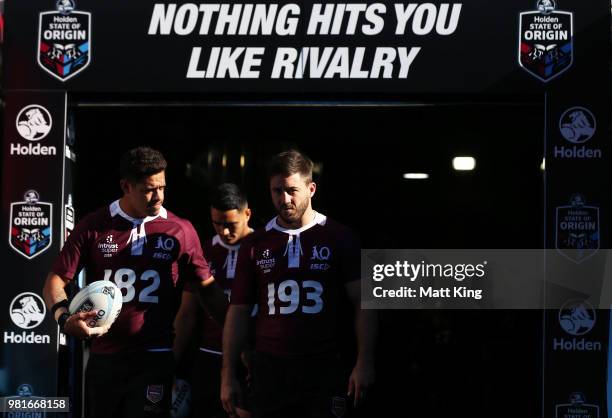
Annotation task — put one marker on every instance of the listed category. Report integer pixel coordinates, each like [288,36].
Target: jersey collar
[218,241]
[319,219]
[115,209]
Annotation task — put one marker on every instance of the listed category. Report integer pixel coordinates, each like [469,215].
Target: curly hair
[141,162]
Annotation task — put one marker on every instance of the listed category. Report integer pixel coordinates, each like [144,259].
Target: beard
[153,208]
[295,213]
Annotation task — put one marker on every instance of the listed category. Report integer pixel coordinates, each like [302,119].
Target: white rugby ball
[102,296]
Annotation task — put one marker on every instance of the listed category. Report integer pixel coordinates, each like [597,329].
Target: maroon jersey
[296,277]
[222,259]
[144,257]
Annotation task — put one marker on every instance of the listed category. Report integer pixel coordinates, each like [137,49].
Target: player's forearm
[53,292]
[185,323]
[366,328]
[235,334]
[184,328]
[366,325]
[214,300]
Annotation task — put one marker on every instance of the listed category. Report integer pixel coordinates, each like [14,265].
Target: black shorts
[299,388]
[206,389]
[129,385]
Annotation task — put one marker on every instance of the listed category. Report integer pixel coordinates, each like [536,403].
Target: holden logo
[24,390]
[577,317]
[34,122]
[27,310]
[577,125]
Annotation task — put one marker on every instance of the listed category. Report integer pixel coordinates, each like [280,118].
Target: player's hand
[230,392]
[247,360]
[76,326]
[360,381]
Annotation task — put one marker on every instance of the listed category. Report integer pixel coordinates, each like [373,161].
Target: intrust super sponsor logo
[33,123]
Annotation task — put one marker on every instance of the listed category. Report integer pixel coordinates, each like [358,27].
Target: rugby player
[230,214]
[296,270]
[145,249]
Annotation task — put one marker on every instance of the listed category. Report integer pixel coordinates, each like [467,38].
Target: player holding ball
[144,249]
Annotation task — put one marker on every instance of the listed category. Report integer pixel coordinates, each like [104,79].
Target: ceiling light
[464,163]
[416,176]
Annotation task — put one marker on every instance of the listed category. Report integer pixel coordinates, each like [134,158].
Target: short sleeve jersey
[144,258]
[296,277]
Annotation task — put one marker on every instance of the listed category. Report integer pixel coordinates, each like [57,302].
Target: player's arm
[213,299]
[185,323]
[366,328]
[235,335]
[57,300]
[211,295]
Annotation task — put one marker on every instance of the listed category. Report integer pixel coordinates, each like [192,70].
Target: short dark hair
[287,163]
[228,196]
[141,162]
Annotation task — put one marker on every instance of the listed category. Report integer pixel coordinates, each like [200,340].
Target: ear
[125,186]
[313,188]
[247,213]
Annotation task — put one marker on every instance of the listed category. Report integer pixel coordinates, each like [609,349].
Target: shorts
[299,388]
[129,385]
[206,388]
